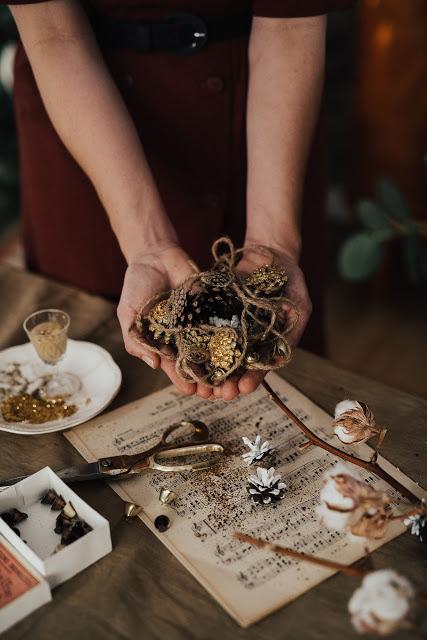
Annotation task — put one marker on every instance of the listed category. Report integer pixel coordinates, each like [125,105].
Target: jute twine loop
[257,343]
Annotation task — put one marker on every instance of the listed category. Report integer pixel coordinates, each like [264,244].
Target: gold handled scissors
[123,466]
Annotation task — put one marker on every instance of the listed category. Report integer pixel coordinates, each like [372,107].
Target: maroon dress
[190,115]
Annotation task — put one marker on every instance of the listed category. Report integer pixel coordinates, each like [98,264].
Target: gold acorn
[222,349]
[266,280]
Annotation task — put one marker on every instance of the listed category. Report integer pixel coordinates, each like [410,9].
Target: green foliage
[393,201]
[388,217]
[372,216]
[361,254]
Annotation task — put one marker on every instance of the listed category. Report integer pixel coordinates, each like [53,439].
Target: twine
[172,341]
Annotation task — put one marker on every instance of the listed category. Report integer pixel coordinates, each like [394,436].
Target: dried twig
[291,553]
[371,466]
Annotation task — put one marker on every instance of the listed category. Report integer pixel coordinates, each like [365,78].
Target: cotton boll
[354,422]
[382,603]
[335,520]
[346,405]
[334,498]
[339,487]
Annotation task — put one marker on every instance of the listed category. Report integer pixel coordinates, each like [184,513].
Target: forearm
[286,62]
[92,121]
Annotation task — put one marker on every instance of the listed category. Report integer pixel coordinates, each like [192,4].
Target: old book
[249,583]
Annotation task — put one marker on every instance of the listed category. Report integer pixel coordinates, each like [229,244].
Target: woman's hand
[146,275]
[296,291]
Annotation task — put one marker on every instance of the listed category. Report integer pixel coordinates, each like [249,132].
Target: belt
[181,33]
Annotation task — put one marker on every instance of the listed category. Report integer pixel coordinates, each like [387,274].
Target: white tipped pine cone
[266,487]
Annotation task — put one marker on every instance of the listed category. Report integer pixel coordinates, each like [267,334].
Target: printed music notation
[211,504]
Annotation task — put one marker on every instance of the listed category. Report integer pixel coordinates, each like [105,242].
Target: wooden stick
[372,467]
[285,551]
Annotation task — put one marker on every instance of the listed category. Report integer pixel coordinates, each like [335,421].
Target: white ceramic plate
[93,365]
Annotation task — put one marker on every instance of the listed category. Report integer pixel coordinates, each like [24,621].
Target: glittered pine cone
[216,279]
[223,350]
[161,313]
[194,345]
[267,280]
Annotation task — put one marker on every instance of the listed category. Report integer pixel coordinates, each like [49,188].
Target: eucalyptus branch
[291,553]
[371,466]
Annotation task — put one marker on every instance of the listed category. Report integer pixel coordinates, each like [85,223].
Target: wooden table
[140,590]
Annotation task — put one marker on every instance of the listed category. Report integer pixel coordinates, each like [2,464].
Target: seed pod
[58,503]
[49,497]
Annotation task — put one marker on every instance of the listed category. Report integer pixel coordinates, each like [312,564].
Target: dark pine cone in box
[221,321]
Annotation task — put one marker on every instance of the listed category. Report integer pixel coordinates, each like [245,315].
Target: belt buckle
[199,31]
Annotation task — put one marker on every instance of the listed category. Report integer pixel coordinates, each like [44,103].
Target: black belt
[183,33]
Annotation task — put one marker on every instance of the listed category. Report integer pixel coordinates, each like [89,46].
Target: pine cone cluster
[216,322]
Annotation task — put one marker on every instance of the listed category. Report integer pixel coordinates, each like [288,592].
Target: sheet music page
[248,583]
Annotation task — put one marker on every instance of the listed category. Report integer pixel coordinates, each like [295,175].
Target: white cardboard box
[22,589]
[38,529]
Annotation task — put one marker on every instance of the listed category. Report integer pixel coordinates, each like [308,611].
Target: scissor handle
[200,431]
[125,463]
[154,461]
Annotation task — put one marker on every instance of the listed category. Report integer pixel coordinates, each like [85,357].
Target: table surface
[140,589]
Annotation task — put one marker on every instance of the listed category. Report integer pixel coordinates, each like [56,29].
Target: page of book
[210,505]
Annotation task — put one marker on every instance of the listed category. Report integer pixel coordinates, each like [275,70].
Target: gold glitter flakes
[26,408]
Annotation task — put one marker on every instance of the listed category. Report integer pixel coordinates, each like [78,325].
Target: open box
[38,529]
[22,588]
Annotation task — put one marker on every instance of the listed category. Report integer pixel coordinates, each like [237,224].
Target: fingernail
[149,361]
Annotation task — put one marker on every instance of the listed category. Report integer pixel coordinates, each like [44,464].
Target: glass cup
[47,331]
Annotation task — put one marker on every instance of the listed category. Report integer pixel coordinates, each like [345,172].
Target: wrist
[289,245]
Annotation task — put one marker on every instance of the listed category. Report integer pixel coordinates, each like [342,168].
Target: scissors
[117,467]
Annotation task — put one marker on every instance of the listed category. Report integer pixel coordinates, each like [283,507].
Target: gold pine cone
[222,349]
[161,313]
[267,279]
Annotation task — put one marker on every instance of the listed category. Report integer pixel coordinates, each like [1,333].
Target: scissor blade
[70,475]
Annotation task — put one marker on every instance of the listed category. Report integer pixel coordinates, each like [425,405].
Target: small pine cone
[160,313]
[216,280]
[177,303]
[222,349]
[266,487]
[194,338]
[160,334]
[194,342]
[266,280]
